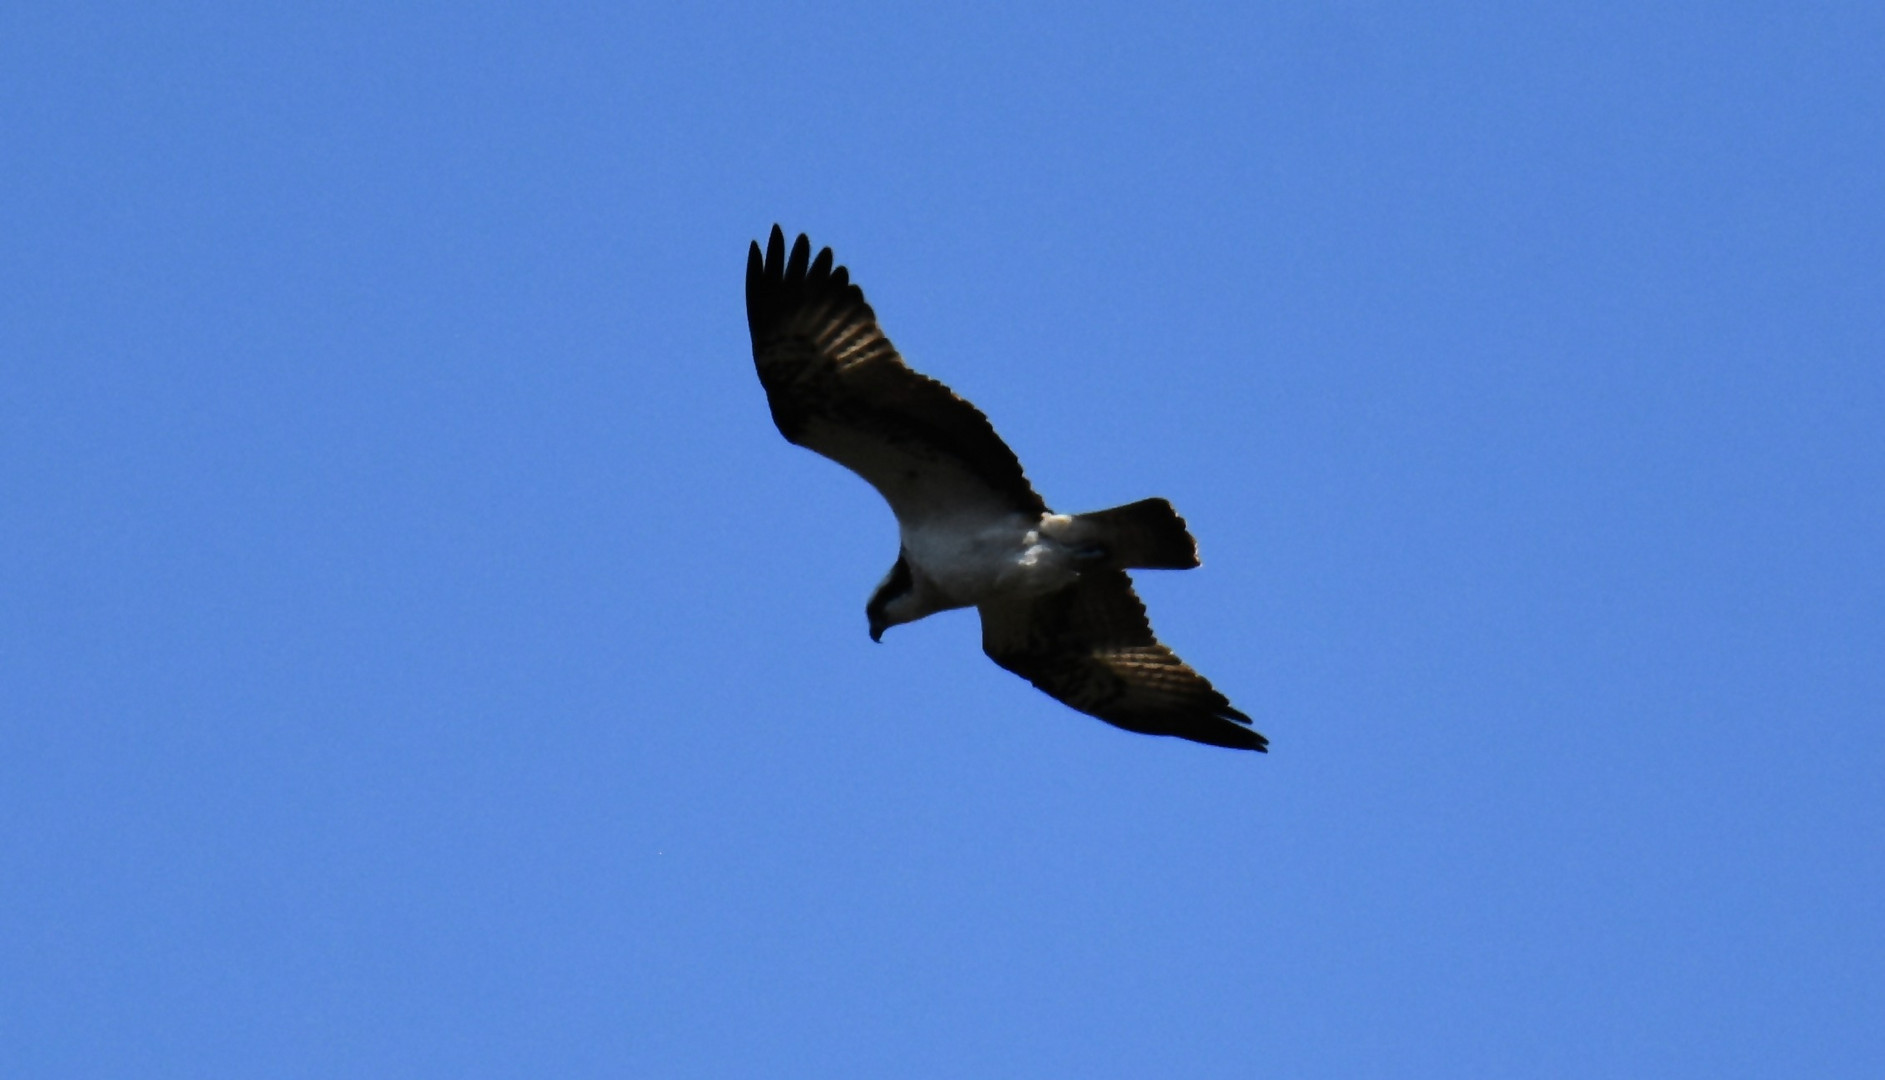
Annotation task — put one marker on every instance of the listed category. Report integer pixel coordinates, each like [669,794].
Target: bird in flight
[1056,604]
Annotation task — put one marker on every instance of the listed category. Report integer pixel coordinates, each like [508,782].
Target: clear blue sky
[420,655]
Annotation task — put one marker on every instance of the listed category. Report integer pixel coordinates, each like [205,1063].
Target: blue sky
[420,655]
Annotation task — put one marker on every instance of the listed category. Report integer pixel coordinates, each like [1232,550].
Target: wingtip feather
[801,256]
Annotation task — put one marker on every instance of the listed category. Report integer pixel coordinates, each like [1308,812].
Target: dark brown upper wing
[837,386]
[1090,646]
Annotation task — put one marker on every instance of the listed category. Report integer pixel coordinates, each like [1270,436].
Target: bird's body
[971,560]
[1057,607]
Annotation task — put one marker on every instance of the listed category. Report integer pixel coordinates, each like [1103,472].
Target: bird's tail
[1147,534]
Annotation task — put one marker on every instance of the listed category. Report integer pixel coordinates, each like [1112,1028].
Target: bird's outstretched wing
[837,386]
[1090,646]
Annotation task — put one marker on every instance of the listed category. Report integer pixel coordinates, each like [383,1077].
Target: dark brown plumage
[837,386]
[1091,646]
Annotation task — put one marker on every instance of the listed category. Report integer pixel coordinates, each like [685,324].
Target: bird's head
[894,600]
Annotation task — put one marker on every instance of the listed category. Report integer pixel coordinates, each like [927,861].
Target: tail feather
[1147,534]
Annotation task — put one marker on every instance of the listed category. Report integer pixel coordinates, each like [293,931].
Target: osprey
[1057,606]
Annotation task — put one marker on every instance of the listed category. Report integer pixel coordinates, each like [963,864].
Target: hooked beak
[877,633]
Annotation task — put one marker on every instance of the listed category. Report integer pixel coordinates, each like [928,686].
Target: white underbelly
[976,560]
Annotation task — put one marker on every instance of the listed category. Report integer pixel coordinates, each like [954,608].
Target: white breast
[973,559]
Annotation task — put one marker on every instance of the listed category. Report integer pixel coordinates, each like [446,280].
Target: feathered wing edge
[837,386]
[1090,646]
